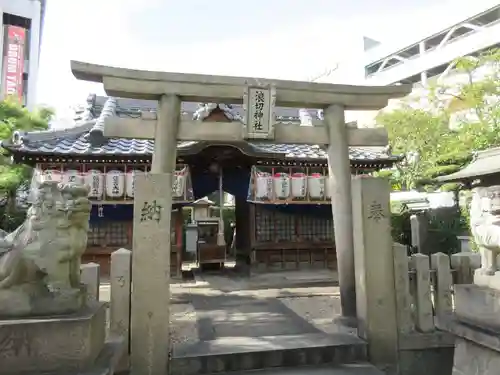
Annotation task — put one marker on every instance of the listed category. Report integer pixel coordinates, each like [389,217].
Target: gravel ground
[183,325]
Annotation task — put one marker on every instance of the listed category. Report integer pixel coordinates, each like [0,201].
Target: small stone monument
[47,324]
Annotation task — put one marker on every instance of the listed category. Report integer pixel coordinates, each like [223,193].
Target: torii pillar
[150,300]
[167,127]
[339,170]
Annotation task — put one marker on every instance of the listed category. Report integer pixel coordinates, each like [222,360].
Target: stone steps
[233,354]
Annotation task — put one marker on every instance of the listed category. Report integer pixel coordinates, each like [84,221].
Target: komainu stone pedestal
[476,324]
[36,300]
[69,344]
[478,306]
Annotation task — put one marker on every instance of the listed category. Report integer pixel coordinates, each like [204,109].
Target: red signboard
[13,61]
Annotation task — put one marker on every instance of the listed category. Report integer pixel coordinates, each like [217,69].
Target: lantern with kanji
[115,184]
[299,185]
[130,182]
[281,185]
[316,186]
[94,179]
[179,183]
[263,185]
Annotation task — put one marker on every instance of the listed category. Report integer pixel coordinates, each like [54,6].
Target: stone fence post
[374,269]
[120,280]
[464,264]
[419,232]
[90,276]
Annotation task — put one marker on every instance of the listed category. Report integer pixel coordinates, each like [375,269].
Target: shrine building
[282,201]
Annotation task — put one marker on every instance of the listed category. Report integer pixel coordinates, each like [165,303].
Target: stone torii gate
[149,334]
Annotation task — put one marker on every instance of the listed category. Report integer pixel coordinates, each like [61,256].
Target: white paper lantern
[72,176]
[328,188]
[316,185]
[263,185]
[115,183]
[130,182]
[281,185]
[94,178]
[52,175]
[299,185]
[179,183]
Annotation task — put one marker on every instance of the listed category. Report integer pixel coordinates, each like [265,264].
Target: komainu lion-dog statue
[40,260]
[485,226]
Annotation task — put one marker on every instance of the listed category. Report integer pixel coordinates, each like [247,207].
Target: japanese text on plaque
[258,114]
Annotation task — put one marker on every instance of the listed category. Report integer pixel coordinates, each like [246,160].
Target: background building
[21,35]
[432,56]
[425,60]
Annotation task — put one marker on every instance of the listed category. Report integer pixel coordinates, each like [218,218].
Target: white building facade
[433,55]
[422,61]
[21,36]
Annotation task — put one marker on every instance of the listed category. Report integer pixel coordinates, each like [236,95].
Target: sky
[288,39]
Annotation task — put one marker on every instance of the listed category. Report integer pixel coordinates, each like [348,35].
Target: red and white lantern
[316,186]
[281,185]
[115,183]
[94,178]
[299,185]
[263,185]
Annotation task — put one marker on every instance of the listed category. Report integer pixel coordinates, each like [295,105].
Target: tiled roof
[301,151]
[484,163]
[88,139]
[81,146]
[95,105]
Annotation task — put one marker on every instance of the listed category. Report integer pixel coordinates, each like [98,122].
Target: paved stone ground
[285,303]
[231,282]
[277,303]
[357,369]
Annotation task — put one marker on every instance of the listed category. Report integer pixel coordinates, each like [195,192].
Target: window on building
[108,234]
[274,226]
[12,19]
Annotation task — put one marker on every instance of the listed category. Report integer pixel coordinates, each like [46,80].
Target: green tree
[417,134]
[474,93]
[451,162]
[14,117]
